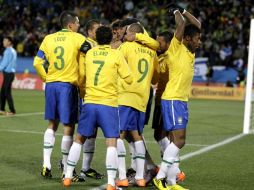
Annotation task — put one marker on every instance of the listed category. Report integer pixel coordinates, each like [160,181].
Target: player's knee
[180,142]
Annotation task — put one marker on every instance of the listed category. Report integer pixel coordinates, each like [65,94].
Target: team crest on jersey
[180,120]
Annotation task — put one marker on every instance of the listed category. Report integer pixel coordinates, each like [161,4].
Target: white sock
[121,159]
[168,159]
[88,152]
[132,153]
[73,158]
[111,164]
[49,141]
[172,172]
[148,160]
[140,152]
[164,143]
[65,148]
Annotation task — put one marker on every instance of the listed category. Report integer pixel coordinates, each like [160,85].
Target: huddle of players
[111,81]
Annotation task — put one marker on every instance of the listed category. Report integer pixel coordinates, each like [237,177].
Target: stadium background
[212,122]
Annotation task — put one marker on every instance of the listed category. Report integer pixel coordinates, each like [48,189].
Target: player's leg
[108,120]
[136,130]
[67,109]
[123,182]
[48,145]
[86,127]
[73,158]
[88,152]
[53,121]
[124,115]
[175,118]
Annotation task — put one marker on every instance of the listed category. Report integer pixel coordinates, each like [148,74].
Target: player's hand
[173,7]
[85,47]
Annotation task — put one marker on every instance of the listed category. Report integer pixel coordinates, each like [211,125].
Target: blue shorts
[61,102]
[94,115]
[175,114]
[131,119]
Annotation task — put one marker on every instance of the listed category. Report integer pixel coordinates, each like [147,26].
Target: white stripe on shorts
[173,113]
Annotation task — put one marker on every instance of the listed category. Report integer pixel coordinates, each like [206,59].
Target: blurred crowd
[225,23]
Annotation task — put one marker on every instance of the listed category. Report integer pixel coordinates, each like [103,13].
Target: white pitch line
[22,114]
[195,153]
[58,134]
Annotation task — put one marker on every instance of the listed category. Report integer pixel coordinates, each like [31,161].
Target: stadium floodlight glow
[249,83]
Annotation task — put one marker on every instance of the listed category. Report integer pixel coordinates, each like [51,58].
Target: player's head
[164,39]
[192,37]
[104,35]
[7,41]
[116,29]
[124,24]
[69,20]
[91,27]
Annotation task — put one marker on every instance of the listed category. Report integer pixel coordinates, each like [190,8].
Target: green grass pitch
[227,167]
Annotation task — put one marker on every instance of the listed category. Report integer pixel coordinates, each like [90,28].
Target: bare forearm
[193,20]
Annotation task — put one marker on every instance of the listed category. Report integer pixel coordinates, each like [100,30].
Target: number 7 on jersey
[101,63]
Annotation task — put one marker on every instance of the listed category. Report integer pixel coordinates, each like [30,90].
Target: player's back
[142,62]
[62,51]
[102,70]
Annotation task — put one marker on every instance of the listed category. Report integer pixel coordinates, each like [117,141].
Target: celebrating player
[61,51]
[180,64]
[103,68]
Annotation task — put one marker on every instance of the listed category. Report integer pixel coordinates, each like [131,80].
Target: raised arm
[180,24]
[193,20]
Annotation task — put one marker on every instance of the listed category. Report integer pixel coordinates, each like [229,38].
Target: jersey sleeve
[81,77]
[39,60]
[147,41]
[123,68]
[82,44]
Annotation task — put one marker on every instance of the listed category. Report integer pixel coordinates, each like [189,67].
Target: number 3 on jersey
[101,63]
[142,68]
[59,52]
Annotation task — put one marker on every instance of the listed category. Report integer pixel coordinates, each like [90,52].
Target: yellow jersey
[143,62]
[181,70]
[62,51]
[163,79]
[103,68]
[82,67]
[146,40]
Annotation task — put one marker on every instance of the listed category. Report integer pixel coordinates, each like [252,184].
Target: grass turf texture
[227,167]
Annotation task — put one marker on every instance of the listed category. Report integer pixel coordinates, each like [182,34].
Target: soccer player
[116,40]
[144,39]
[8,66]
[61,50]
[89,145]
[160,135]
[132,102]
[180,64]
[104,66]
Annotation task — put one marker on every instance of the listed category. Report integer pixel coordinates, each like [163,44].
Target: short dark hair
[67,17]
[89,25]
[191,30]
[166,35]
[104,35]
[116,24]
[137,28]
[128,21]
[9,38]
